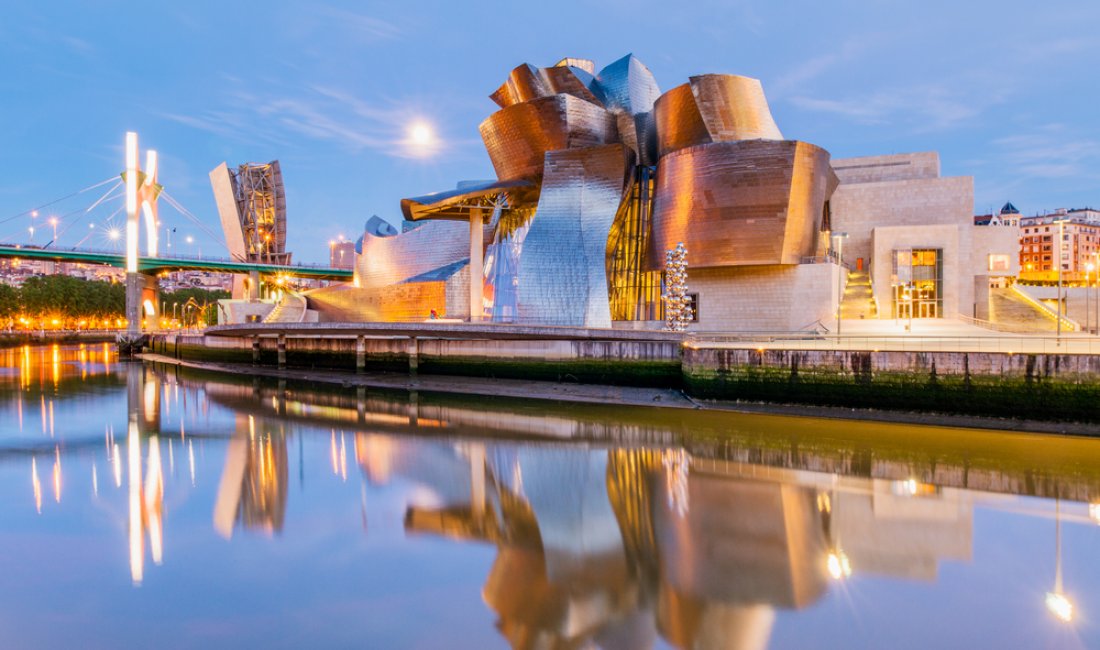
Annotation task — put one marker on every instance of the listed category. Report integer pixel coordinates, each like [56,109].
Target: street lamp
[53,222]
[839,237]
[1061,257]
[1088,311]
[1057,601]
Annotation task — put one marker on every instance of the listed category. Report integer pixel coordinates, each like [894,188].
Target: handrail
[1045,309]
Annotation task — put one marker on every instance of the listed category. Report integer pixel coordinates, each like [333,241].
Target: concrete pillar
[477,263]
[281,347]
[253,286]
[414,356]
[135,286]
[477,479]
[360,354]
[255,349]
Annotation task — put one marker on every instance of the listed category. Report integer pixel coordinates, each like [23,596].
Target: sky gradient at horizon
[1002,90]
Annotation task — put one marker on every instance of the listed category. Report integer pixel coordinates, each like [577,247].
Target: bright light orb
[420,133]
[114,233]
[1060,606]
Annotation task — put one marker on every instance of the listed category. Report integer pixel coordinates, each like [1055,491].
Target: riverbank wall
[16,339]
[1045,387]
[614,362]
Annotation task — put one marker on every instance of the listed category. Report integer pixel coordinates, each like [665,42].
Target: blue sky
[1005,91]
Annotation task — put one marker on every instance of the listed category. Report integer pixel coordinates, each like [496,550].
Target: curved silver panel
[630,90]
[391,260]
[562,271]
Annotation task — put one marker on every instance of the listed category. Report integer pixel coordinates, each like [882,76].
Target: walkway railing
[1004,343]
[1067,323]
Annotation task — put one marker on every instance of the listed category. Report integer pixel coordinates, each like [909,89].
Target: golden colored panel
[679,123]
[740,203]
[518,137]
[734,108]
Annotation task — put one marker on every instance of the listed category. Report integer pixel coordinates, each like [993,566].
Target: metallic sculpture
[678,312]
[252,206]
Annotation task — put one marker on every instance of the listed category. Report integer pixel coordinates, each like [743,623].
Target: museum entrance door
[917,281]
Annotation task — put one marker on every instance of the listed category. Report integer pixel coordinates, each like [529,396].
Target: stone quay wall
[1056,387]
[1032,386]
[630,363]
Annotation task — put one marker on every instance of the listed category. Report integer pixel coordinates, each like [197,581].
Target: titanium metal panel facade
[741,203]
[388,261]
[519,136]
[562,271]
[713,108]
[630,90]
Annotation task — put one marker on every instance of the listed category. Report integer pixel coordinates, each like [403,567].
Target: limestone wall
[764,298]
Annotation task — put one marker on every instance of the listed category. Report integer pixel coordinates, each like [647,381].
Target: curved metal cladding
[518,137]
[741,203]
[734,108]
[713,108]
[630,90]
[679,123]
[562,271]
[524,84]
[391,260]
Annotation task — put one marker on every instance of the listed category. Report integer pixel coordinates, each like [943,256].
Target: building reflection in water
[619,547]
[253,488]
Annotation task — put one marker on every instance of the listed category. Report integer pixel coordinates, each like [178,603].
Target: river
[153,506]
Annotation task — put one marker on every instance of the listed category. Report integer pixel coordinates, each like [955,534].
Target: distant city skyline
[365,106]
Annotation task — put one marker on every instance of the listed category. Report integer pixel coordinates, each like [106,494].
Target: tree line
[69,301]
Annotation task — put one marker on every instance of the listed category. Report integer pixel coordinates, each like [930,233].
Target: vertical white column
[477,264]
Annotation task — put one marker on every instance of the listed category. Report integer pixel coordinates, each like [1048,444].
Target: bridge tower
[142,192]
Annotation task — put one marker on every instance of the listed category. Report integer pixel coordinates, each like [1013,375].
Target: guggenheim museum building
[599,173]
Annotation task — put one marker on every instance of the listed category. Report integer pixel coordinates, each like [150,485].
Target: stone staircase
[1009,310]
[291,309]
[858,301]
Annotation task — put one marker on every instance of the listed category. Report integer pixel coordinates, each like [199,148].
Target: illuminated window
[998,263]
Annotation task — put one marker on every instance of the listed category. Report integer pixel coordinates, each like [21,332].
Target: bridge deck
[175,263]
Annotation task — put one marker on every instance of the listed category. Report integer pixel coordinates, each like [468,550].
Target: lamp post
[53,222]
[839,237]
[1088,311]
[1061,257]
[1057,601]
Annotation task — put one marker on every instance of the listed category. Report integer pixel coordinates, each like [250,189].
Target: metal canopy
[455,204]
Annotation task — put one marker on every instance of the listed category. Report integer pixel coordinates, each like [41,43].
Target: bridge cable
[105,197]
[170,200]
[67,196]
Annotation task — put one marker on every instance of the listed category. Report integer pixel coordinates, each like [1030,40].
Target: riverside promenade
[935,367]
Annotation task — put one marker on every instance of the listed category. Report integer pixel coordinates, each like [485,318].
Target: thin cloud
[927,107]
[363,25]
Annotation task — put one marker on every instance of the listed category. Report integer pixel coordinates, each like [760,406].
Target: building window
[998,263]
[693,304]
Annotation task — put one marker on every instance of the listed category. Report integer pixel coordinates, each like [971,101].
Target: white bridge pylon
[142,191]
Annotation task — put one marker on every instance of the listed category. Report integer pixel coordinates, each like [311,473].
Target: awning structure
[455,204]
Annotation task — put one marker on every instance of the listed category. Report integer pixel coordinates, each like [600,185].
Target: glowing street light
[53,222]
[1057,602]
[838,565]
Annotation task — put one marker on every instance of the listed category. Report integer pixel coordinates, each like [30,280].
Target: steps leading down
[291,309]
[858,301]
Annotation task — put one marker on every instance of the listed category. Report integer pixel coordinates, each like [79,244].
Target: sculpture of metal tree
[677,303]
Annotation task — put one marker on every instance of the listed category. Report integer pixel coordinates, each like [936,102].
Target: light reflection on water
[144,505]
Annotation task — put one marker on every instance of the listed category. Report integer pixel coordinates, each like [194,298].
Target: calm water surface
[145,506]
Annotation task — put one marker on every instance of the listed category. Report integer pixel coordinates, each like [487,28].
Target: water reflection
[598,528]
